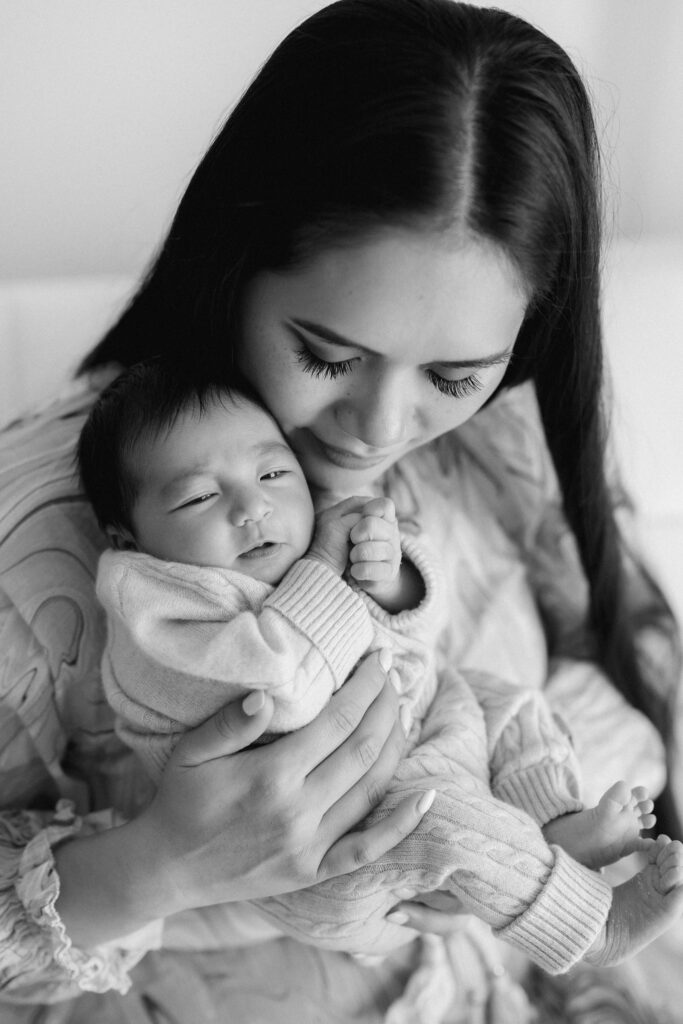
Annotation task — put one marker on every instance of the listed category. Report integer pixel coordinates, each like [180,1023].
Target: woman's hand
[230,824]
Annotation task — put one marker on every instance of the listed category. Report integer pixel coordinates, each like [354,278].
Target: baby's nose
[249,506]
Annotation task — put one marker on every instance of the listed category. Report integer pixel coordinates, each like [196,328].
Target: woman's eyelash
[312,364]
[319,368]
[462,388]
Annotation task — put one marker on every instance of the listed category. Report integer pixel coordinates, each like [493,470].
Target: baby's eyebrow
[259,448]
[181,478]
[272,448]
[327,334]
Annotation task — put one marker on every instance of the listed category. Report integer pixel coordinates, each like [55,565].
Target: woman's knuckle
[367,752]
[225,727]
[345,718]
[374,792]
[267,791]
[361,853]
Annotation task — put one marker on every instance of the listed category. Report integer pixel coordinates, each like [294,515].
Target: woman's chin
[338,483]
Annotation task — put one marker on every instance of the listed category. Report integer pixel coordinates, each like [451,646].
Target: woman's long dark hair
[437,115]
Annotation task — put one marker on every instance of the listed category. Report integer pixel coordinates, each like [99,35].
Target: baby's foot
[645,906]
[604,834]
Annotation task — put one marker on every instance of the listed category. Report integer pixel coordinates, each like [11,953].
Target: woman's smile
[347,459]
[373,349]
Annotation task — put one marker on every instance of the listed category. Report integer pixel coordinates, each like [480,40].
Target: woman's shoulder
[51,626]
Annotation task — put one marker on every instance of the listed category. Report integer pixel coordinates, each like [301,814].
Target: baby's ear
[121,539]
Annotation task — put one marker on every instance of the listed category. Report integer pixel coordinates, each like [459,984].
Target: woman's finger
[355,803]
[360,758]
[424,919]
[358,848]
[309,747]
[230,730]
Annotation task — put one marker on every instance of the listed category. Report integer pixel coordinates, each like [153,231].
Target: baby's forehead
[218,408]
[202,428]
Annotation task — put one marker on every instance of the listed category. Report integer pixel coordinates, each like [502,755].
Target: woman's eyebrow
[327,334]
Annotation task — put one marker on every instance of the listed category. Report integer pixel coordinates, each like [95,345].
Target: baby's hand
[330,542]
[375,555]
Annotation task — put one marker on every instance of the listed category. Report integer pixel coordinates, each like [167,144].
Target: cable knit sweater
[184,640]
[516,609]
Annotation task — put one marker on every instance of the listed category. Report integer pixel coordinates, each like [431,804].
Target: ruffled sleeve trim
[37,887]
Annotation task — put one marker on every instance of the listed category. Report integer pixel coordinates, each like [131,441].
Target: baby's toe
[641,793]
[648,820]
[618,794]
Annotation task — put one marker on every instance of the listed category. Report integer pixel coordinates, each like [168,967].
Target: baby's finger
[372,528]
[373,551]
[383,508]
[358,848]
[372,572]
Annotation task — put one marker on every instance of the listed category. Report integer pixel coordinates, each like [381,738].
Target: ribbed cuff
[425,616]
[326,610]
[543,791]
[562,924]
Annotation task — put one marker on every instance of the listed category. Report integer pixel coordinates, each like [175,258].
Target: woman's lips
[349,460]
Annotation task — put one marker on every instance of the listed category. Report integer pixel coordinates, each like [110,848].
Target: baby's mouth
[262,550]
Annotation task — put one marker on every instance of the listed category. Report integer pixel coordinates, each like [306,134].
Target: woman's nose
[380,413]
[249,505]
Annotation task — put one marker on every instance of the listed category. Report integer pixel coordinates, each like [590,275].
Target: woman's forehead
[403,295]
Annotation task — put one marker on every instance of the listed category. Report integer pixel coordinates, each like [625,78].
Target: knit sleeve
[186,640]
[38,961]
[412,634]
[531,757]
[487,854]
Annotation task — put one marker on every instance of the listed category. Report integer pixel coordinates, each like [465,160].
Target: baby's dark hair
[142,403]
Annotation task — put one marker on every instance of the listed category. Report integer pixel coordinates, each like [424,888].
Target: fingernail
[395,680]
[426,801]
[405,718]
[397,917]
[385,658]
[253,702]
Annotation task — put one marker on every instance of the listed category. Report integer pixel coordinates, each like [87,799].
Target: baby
[221,580]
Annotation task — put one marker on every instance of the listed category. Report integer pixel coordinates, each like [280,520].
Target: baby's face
[223,488]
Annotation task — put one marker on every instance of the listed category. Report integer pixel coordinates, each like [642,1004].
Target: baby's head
[194,472]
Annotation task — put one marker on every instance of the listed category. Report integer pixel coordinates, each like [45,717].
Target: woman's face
[373,349]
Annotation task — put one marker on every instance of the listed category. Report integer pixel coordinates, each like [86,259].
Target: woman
[397,228]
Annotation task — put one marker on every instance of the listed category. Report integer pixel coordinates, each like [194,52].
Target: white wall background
[107,105]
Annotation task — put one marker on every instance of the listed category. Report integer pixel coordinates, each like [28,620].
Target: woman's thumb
[232,728]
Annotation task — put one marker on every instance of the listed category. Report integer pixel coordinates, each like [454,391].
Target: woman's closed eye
[320,367]
[462,387]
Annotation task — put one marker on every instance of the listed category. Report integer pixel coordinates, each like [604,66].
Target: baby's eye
[198,500]
[273,474]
